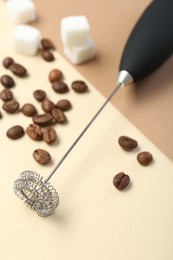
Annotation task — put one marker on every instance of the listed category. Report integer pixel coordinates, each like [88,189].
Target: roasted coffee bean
[127,143]
[29,109]
[7,81]
[59,115]
[18,70]
[15,132]
[64,104]
[43,119]
[7,62]
[79,86]
[47,105]
[121,180]
[11,106]
[42,156]
[0,115]
[60,87]
[47,44]
[34,132]
[39,94]
[55,75]
[49,135]
[6,94]
[145,158]
[47,55]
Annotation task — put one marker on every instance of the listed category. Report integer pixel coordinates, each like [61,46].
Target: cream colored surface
[94,221]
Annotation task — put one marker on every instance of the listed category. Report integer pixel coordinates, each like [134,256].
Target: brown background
[148,104]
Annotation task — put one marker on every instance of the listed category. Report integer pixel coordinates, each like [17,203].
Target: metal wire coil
[38,194]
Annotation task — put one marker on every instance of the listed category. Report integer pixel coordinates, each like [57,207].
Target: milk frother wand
[149,45]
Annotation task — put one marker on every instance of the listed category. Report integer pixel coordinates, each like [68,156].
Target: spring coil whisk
[39,195]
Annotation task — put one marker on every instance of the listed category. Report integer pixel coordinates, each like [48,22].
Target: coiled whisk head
[38,194]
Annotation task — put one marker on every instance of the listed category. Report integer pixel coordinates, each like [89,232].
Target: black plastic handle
[150,43]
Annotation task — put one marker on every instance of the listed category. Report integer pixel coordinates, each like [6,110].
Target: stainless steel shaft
[83,132]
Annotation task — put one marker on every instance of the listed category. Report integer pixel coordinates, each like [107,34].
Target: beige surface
[94,221]
[148,105]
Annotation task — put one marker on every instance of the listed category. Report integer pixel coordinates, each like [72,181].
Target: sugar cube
[26,39]
[74,30]
[81,54]
[78,46]
[21,11]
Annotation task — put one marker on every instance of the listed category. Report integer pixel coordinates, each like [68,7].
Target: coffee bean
[28,109]
[79,86]
[121,180]
[0,115]
[47,44]
[34,132]
[127,143]
[55,75]
[15,132]
[42,156]
[144,158]
[59,115]
[47,105]
[49,135]
[47,56]
[7,81]
[64,104]
[7,62]
[6,94]
[11,106]
[43,119]
[60,87]
[18,70]
[39,94]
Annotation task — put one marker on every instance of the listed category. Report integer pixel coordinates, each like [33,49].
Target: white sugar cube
[81,54]
[74,30]
[26,39]
[78,46]
[21,11]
